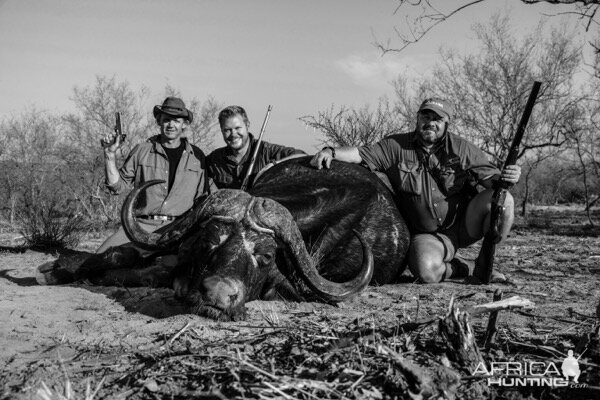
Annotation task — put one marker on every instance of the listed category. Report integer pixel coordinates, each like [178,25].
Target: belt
[158,217]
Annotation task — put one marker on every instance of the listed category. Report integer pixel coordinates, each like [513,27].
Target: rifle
[493,236]
[255,153]
[118,131]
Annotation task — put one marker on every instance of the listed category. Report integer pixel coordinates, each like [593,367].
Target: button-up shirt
[431,187]
[228,173]
[148,161]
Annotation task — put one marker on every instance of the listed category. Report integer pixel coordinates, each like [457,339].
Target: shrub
[47,217]
[43,229]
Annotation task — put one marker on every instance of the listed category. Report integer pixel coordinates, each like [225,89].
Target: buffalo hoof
[52,273]
[63,270]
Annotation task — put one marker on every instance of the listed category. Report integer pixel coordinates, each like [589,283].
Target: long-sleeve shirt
[430,186]
[228,173]
[148,161]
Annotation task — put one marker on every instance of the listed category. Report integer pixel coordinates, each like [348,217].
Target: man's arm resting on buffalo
[275,152]
[346,154]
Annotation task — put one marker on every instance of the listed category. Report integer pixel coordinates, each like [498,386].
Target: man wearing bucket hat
[443,186]
[229,165]
[167,156]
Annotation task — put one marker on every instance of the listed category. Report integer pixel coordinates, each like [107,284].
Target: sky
[301,57]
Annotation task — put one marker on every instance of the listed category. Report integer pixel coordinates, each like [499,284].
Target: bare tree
[32,136]
[584,141]
[531,163]
[31,148]
[356,127]
[489,87]
[30,139]
[95,116]
[421,16]
[82,170]
[39,205]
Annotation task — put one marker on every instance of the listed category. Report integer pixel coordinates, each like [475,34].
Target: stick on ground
[490,333]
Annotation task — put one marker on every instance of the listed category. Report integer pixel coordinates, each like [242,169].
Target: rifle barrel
[513,153]
[255,152]
[488,247]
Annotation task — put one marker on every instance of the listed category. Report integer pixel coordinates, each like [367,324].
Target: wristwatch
[330,148]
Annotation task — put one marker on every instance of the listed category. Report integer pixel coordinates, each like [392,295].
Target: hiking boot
[480,270]
[472,271]
[461,268]
[497,277]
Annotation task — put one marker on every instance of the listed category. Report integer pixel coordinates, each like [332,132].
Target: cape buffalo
[300,233]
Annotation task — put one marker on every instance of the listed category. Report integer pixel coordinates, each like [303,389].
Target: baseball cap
[439,106]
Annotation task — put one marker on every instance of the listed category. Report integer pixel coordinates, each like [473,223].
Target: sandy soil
[46,330]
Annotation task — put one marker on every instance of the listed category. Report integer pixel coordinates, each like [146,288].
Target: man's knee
[430,273]
[426,259]
[478,215]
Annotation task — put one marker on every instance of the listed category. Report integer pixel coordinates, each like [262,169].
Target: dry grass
[319,358]
[283,353]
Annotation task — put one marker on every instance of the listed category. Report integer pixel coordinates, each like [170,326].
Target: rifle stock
[493,235]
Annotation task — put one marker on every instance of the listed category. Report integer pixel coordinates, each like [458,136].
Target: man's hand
[111,143]
[322,159]
[511,174]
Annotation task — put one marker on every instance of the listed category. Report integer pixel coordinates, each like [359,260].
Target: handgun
[118,131]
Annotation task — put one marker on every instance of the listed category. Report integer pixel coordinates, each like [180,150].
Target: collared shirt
[430,187]
[148,161]
[228,173]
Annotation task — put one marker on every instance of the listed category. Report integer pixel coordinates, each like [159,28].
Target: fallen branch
[186,326]
[506,304]
[573,312]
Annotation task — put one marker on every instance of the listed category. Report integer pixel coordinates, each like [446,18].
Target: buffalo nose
[223,292]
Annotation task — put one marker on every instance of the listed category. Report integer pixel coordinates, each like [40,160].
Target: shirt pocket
[193,170]
[149,170]
[411,181]
[193,167]
[154,194]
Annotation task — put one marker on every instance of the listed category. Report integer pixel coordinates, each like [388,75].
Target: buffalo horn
[275,216]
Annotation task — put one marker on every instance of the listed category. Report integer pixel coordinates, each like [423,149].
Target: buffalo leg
[120,265]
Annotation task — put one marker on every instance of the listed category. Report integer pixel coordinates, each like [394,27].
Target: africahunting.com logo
[532,373]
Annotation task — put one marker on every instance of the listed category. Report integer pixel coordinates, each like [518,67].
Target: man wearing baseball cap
[443,186]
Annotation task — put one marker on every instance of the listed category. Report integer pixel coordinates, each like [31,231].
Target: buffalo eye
[264,258]
[214,237]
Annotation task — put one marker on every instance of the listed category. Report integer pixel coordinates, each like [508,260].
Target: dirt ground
[60,339]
